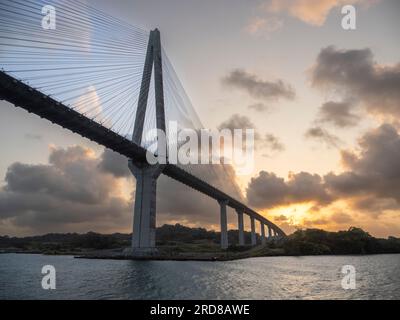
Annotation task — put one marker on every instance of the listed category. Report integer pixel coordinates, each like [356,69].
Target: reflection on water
[259,278]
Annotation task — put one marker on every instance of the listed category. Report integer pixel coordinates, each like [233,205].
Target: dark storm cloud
[320,134]
[375,170]
[77,191]
[258,88]
[338,113]
[347,183]
[371,181]
[114,163]
[67,193]
[267,190]
[374,207]
[358,76]
[68,176]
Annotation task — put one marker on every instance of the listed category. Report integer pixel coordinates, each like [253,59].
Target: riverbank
[170,254]
[199,251]
[187,254]
[182,243]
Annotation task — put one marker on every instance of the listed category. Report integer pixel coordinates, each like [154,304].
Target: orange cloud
[313,12]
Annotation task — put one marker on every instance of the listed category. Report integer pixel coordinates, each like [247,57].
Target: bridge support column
[269,232]
[263,241]
[253,232]
[224,225]
[240,227]
[144,221]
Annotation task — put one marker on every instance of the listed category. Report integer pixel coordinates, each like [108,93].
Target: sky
[324,102]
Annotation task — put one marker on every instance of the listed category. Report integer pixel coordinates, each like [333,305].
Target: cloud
[341,218]
[372,206]
[260,107]
[258,88]
[273,143]
[237,121]
[370,182]
[356,75]
[268,191]
[263,25]
[68,194]
[281,218]
[114,163]
[318,133]
[313,12]
[268,141]
[312,223]
[338,113]
[255,25]
[78,192]
[374,171]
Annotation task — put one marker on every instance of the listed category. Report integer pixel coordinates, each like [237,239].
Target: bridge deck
[23,96]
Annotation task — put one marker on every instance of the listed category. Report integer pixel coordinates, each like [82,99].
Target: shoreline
[180,243]
[211,257]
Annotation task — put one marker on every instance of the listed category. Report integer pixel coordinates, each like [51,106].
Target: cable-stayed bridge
[109,82]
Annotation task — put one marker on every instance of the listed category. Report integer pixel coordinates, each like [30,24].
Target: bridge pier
[224,225]
[263,240]
[144,221]
[253,231]
[269,232]
[240,227]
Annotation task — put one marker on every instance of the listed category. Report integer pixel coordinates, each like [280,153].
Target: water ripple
[259,278]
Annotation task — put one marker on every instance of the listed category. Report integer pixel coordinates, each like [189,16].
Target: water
[378,277]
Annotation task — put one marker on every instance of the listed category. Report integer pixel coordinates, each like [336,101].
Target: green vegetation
[353,241]
[182,241]
[70,243]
